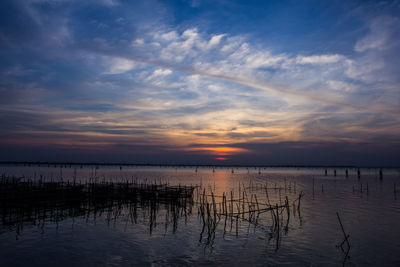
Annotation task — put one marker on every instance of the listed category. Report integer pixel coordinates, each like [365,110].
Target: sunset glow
[219,151]
[185,82]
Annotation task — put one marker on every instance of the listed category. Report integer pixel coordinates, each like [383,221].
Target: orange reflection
[221,158]
[222,180]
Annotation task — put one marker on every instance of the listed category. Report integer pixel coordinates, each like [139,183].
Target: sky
[200,82]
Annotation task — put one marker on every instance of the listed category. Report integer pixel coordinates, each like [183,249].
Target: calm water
[368,207]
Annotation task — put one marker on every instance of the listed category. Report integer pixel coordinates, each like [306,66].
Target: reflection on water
[35,203]
[184,216]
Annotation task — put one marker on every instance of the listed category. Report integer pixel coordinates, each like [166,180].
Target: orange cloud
[219,151]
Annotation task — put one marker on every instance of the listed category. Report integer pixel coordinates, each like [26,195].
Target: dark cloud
[207,134]
[235,135]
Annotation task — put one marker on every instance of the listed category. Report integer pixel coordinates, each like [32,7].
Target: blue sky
[244,82]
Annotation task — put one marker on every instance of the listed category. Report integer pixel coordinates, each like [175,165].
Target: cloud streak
[314,96]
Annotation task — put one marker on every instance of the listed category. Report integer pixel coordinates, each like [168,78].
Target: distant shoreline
[185,165]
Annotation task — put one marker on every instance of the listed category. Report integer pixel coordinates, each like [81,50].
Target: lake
[236,216]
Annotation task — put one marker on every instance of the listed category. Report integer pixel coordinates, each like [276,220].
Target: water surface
[368,208]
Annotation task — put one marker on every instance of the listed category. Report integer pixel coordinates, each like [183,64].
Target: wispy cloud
[189,53]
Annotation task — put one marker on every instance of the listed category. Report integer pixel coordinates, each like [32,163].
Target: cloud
[215,39]
[120,65]
[382,31]
[341,86]
[319,59]
[158,73]
[213,89]
[296,76]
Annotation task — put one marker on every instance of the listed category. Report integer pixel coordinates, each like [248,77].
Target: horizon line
[190,165]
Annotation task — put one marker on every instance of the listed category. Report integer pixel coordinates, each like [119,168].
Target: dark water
[368,208]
